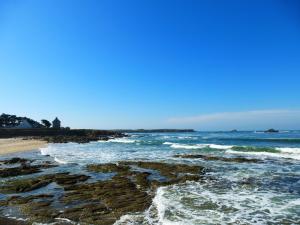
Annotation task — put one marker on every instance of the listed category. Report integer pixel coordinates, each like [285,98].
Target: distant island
[271,131]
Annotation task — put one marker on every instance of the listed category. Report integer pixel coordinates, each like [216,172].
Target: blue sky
[208,65]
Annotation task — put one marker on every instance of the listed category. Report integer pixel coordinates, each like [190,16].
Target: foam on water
[289,150]
[196,203]
[197,146]
[60,161]
[266,154]
[122,140]
[103,152]
[288,153]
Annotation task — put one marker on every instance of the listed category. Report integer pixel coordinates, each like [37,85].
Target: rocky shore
[129,187]
[61,135]
[80,198]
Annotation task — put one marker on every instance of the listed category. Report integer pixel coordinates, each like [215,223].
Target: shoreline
[17,145]
[22,140]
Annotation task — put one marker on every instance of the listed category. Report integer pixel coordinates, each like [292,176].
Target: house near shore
[24,124]
[56,123]
[8,121]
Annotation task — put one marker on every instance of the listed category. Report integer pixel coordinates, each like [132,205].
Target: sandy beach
[13,145]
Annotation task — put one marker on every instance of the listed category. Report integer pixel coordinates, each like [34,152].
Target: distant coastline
[155,130]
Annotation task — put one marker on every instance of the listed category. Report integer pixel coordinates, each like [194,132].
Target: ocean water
[231,193]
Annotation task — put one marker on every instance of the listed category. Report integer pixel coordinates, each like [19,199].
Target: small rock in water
[272,131]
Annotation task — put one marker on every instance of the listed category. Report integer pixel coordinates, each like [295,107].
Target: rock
[15,160]
[25,185]
[24,169]
[218,158]
[85,137]
[102,202]
[108,168]
[170,171]
[8,221]
[272,131]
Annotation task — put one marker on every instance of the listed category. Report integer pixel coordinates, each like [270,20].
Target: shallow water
[231,193]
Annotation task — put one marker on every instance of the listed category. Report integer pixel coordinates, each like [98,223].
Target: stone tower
[56,123]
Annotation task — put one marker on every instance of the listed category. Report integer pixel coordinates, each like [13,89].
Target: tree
[46,123]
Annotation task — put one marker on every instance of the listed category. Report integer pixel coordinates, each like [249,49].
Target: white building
[24,124]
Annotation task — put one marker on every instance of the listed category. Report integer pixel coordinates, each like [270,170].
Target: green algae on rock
[25,185]
[219,158]
[130,190]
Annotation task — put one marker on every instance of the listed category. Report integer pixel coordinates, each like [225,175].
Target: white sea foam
[195,203]
[185,146]
[44,151]
[187,137]
[289,150]
[198,146]
[122,140]
[287,155]
[60,161]
[220,146]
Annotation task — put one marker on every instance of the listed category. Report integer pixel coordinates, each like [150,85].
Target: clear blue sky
[152,63]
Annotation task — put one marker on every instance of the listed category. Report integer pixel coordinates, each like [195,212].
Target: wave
[198,146]
[60,161]
[204,203]
[286,152]
[278,140]
[289,150]
[187,137]
[44,151]
[289,153]
[122,140]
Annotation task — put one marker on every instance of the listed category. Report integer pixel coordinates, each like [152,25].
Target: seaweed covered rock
[101,202]
[171,171]
[15,160]
[25,185]
[117,197]
[219,158]
[108,168]
[23,169]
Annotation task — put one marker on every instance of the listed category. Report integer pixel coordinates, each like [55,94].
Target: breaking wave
[289,153]
[122,140]
[197,146]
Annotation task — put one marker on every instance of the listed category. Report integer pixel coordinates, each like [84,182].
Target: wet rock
[8,221]
[68,179]
[25,185]
[108,168]
[24,169]
[16,199]
[141,179]
[271,131]
[218,158]
[102,202]
[15,160]
[40,211]
[16,171]
[171,171]
[113,198]
[84,137]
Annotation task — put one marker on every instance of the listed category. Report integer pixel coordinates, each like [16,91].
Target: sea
[263,192]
